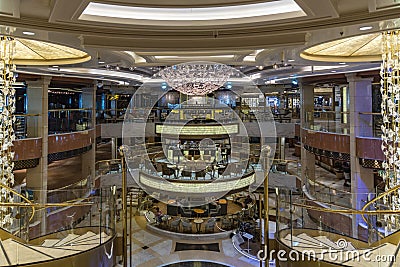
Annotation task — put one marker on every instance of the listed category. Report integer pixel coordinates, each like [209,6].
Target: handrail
[347,211]
[69,109]
[21,196]
[369,203]
[25,115]
[330,188]
[70,185]
[370,113]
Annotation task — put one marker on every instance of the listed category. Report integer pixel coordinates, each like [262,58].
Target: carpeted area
[186,246]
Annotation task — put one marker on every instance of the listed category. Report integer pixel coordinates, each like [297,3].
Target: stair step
[78,247]
[50,242]
[56,252]
[3,259]
[297,242]
[82,239]
[327,241]
[310,239]
[20,254]
[66,239]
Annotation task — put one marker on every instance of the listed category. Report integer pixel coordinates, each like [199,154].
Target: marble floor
[149,249]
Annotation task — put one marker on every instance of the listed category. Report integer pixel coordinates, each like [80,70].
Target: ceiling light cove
[271,10]
[193,57]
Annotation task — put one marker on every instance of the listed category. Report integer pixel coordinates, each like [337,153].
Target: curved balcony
[29,148]
[206,187]
[70,141]
[326,141]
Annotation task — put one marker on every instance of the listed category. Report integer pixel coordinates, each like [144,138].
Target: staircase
[14,252]
[342,252]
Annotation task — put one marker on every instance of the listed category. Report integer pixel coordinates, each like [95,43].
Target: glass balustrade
[297,213]
[328,121]
[370,124]
[69,120]
[199,112]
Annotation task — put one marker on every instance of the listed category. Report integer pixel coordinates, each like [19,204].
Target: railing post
[124,210]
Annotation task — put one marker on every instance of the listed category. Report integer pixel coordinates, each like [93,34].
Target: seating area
[218,216]
[194,225]
[197,169]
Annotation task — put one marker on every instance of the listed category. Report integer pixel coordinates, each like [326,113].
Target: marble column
[362,179]
[307,122]
[37,126]
[89,158]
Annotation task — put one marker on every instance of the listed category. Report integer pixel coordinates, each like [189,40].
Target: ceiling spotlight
[131,68]
[117,68]
[275,66]
[260,67]
[365,28]
[28,33]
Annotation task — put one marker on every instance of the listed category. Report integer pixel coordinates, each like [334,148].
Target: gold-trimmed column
[36,178]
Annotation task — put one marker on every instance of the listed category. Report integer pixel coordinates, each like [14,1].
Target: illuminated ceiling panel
[33,52]
[122,14]
[361,48]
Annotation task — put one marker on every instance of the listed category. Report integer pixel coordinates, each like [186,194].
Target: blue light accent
[103,101]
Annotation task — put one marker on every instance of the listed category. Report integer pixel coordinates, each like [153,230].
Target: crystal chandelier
[390,110]
[7,136]
[196,78]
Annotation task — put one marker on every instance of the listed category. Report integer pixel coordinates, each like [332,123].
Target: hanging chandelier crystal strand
[7,136]
[390,110]
[196,78]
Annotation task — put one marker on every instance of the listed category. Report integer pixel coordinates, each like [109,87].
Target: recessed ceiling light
[101,62]
[291,60]
[270,8]
[55,66]
[28,33]
[342,63]
[333,71]
[365,28]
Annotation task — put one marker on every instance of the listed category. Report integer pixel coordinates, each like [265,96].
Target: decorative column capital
[353,77]
[42,81]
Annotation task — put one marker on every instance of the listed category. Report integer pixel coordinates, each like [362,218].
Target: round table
[198,211]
